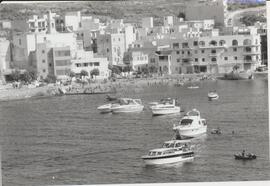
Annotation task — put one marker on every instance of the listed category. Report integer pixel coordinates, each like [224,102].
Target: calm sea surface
[65,140]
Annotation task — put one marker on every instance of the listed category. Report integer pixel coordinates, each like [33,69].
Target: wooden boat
[245,157]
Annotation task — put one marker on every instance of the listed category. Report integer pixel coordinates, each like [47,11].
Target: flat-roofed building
[88,61]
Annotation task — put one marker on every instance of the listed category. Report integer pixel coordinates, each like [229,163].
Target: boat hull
[105,108]
[164,111]
[127,109]
[168,160]
[192,132]
[213,97]
[238,76]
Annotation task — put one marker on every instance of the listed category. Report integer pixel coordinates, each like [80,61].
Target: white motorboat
[105,108]
[127,105]
[173,151]
[193,87]
[191,125]
[213,95]
[166,106]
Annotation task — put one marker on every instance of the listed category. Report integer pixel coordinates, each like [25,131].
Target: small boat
[216,131]
[179,84]
[193,87]
[110,98]
[127,105]
[247,156]
[191,125]
[213,95]
[173,151]
[165,106]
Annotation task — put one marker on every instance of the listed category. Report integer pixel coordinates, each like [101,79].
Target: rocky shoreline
[122,87]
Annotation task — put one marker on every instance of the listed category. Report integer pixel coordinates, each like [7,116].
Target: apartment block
[86,60]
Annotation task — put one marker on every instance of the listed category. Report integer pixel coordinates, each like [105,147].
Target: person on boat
[243,153]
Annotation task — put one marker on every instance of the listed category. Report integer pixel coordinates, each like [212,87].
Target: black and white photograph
[134,92]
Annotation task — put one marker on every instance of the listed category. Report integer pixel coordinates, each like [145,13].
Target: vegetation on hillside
[236,5]
[249,20]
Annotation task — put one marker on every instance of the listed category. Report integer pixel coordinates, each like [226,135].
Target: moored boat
[245,156]
[191,125]
[127,105]
[193,87]
[213,95]
[173,151]
[165,106]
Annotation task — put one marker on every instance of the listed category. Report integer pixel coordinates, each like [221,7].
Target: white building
[147,22]
[86,60]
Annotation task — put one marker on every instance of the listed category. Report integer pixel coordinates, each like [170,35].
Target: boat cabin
[129,101]
[167,101]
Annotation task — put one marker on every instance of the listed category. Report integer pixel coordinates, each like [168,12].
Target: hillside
[129,10]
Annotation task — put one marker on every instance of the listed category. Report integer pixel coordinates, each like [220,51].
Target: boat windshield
[168,145]
[166,101]
[186,121]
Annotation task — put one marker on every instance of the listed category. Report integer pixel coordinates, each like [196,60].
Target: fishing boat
[191,125]
[172,151]
[213,95]
[165,106]
[245,156]
[127,105]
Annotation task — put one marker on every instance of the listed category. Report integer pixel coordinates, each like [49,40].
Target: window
[202,43]
[20,41]
[44,38]
[225,58]
[108,50]
[119,39]
[90,64]
[50,64]
[78,65]
[44,70]
[188,52]
[177,52]
[107,40]
[43,51]
[175,45]
[43,61]
[213,51]
[203,59]
[247,42]
[235,42]
[96,64]
[202,51]
[178,60]
[248,49]
[62,62]
[196,59]
[235,58]
[85,64]
[222,42]
[152,60]
[235,49]
[183,52]
[184,45]
[213,59]
[213,43]
[62,53]
[195,43]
